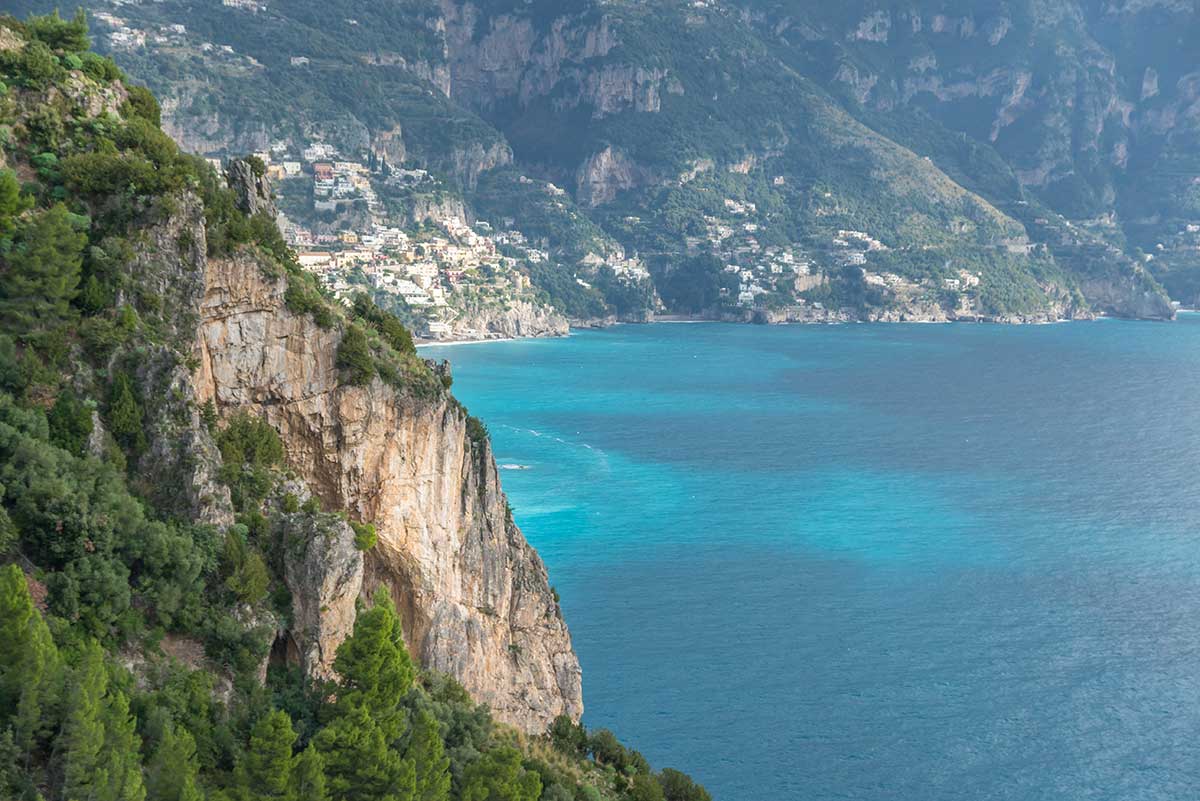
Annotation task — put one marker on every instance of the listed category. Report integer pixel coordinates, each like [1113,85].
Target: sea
[871,561]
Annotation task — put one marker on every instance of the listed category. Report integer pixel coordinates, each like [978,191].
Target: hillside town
[443,276]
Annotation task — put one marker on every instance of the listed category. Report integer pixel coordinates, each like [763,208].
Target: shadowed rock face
[324,572]
[474,596]
[254,194]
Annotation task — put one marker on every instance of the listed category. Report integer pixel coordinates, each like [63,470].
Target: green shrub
[568,736]
[364,535]
[125,416]
[58,33]
[354,357]
[303,299]
[208,415]
[246,574]
[250,440]
[70,423]
[477,431]
[100,68]
[37,66]
[250,448]
[256,165]
[142,103]
[385,323]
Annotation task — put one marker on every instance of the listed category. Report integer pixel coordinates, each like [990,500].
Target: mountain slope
[1092,105]
[860,161]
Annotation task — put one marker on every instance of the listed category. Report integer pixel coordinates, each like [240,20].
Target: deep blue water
[871,562]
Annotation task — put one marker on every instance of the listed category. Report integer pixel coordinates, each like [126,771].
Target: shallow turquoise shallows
[871,562]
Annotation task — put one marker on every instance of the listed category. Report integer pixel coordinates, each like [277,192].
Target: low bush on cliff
[364,536]
[354,357]
[250,450]
[386,324]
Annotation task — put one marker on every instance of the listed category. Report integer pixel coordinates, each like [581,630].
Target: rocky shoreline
[812,316]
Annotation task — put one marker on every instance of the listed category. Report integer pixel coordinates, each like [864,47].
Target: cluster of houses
[783,272]
[123,36]
[760,270]
[434,272]
[424,270]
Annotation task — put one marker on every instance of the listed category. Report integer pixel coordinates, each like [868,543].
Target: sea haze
[873,561]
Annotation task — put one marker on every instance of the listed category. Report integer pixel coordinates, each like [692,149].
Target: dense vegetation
[132,636]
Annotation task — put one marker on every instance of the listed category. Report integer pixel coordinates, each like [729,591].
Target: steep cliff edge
[475,597]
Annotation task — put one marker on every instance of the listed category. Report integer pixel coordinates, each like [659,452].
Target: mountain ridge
[675,126]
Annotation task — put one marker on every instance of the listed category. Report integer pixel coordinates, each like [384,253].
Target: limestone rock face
[168,263]
[1126,297]
[388,146]
[520,318]
[324,572]
[181,465]
[253,190]
[474,596]
[179,469]
[606,174]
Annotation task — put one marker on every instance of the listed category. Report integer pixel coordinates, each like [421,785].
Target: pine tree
[354,357]
[30,666]
[94,296]
[82,741]
[172,775]
[41,688]
[15,783]
[121,755]
[428,755]
[41,274]
[12,203]
[266,770]
[125,415]
[375,668]
[308,776]
[359,765]
[17,617]
[70,423]
[499,776]
[645,788]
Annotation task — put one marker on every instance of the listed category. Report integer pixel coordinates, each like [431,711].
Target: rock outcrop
[1126,296]
[474,596]
[606,174]
[253,190]
[324,573]
[181,462]
[520,318]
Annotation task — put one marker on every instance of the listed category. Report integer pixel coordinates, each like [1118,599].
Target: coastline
[428,343]
[682,319]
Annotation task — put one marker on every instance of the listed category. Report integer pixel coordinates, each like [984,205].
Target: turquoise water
[871,562]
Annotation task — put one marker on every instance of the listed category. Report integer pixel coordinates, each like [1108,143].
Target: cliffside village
[444,276]
[773,276]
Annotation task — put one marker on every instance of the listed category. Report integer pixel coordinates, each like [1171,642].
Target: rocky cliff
[520,318]
[475,597]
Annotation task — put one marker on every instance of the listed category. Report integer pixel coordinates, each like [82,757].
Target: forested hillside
[851,162]
[153,595]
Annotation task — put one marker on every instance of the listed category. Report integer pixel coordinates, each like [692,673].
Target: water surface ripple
[871,562]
